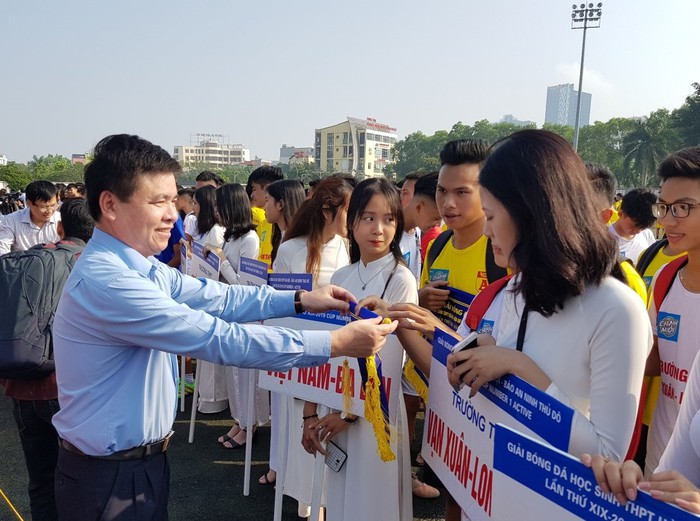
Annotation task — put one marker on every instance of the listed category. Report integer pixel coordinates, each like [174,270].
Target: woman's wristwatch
[350,418]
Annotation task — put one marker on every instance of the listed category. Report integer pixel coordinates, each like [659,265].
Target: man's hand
[432,297]
[360,339]
[327,298]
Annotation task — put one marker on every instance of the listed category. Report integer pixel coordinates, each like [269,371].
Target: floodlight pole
[592,14]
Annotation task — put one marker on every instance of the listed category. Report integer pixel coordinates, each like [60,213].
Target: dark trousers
[93,489]
[40,447]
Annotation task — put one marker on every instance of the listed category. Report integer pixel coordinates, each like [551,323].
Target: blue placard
[542,414]
[457,305]
[290,281]
[254,267]
[566,482]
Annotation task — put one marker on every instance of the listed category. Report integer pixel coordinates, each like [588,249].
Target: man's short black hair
[265,175]
[78,187]
[118,163]
[41,191]
[462,151]
[602,180]
[636,204]
[76,219]
[208,175]
[426,186]
[314,183]
[684,163]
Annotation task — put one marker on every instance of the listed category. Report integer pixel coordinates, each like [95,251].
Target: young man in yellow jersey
[256,187]
[461,265]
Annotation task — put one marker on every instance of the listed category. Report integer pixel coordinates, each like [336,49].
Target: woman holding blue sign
[370,485]
[568,325]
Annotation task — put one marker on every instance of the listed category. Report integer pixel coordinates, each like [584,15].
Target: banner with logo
[458,432]
[532,480]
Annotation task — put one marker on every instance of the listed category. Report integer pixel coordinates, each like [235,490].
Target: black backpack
[493,270]
[31,283]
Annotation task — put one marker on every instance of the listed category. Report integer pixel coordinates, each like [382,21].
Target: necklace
[364,284]
[685,283]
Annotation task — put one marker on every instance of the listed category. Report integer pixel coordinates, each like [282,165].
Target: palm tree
[650,140]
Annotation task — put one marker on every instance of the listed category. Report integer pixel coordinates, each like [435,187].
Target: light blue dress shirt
[120,319]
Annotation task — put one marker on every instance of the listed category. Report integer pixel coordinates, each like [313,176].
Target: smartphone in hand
[467,342]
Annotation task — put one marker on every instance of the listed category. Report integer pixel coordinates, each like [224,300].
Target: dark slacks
[92,489]
[40,446]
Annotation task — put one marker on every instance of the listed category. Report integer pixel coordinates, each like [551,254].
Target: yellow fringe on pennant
[409,371]
[374,413]
[347,387]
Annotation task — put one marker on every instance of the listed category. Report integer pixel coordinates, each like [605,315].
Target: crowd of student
[571,318]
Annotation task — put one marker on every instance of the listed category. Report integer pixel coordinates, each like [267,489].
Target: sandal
[265,480]
[231,443]
[226,437]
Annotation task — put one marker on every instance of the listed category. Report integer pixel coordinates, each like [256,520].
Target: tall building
[211,149]
[561,106]
[289,151]
[361,147]
[3,160]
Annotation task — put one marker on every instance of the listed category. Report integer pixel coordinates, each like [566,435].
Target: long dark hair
[330,196]
[206,199]
[562,244]
[235,214]
[290,193]
[359,200]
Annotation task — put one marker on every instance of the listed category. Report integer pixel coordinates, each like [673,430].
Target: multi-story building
[561,106]
[509,118]
[78,159]
[289,151]
[211,149]
[361,147]
[3,160]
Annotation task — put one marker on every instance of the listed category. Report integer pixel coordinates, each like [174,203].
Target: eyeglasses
[677,209]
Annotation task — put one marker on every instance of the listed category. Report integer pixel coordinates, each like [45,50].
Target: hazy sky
[270,72]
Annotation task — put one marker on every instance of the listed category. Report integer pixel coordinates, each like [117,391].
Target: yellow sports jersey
[264,230]
[659,260]
[634,281]
[462,269]
[614,217]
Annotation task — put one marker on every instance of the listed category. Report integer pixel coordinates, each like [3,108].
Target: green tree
[16,175]
[603,143]
[687,119]
[650,140]
[54,168]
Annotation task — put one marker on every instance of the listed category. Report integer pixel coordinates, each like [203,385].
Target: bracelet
[304,418]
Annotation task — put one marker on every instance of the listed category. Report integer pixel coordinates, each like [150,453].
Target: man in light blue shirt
[119,313]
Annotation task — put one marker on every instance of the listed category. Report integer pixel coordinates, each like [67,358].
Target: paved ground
[207,480]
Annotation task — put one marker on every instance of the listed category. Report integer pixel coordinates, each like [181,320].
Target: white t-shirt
[410,249]
[632,248]
[246,246]
[291,258]
[594,351]
[189,224]
[683,450]
[215,236]
[678,329]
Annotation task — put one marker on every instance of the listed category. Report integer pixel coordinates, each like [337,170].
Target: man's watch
[298,308]
[350,418]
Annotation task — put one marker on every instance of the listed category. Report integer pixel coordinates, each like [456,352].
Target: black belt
[141,452]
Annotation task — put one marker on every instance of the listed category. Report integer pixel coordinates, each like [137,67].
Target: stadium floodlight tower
[583,16]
